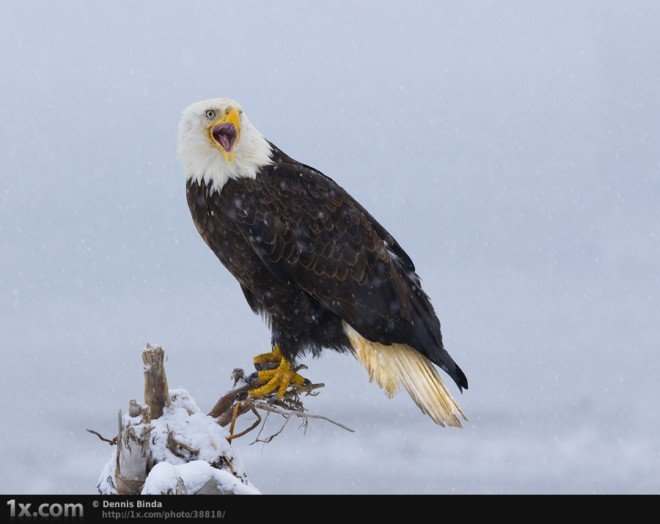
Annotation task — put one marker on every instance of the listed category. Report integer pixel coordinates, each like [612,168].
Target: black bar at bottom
[248,509]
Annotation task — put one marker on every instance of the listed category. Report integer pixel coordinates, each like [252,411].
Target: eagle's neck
[203,163]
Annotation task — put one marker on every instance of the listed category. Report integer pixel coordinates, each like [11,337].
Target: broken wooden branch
[156,391]
[225,403]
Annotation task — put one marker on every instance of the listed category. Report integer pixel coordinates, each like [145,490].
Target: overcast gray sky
[511,148]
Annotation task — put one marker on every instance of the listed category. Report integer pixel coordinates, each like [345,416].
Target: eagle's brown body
[312,260]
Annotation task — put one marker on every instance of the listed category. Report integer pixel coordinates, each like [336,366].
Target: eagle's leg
[277,380]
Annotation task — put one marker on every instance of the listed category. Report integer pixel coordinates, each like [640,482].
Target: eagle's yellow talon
[265,390]
[284,385]
[266,375]
[265,358]
[276,380]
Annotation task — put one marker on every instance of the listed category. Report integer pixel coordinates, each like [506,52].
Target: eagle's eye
[210,114]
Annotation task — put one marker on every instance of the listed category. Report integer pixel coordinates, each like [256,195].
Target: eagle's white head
[217,142]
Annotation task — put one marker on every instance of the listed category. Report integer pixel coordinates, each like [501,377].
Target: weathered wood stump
[168,446]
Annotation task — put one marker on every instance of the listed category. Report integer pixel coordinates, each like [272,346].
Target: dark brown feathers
[308,257]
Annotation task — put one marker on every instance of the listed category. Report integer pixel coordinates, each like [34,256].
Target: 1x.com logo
[56,510]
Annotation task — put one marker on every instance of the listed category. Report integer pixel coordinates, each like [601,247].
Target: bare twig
[261,429]
[271,437]
[112,441]
[234,416]
[300,414]
[226,417]
[308,389]
[229,465]
[233,436]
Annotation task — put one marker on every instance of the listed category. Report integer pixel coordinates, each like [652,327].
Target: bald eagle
[310,259]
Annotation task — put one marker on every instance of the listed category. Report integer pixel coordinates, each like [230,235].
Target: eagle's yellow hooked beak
[225,132]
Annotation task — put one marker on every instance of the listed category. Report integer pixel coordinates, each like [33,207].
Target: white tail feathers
[398,364]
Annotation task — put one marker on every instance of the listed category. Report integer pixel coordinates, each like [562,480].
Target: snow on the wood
[196,477]
[199,459]
[106,484]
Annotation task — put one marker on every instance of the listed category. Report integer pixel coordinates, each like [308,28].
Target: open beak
[225,132]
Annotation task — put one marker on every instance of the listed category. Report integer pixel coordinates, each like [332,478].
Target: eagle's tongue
[224,142]
[225,135]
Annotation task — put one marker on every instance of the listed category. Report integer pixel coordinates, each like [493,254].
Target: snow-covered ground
[510,148]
